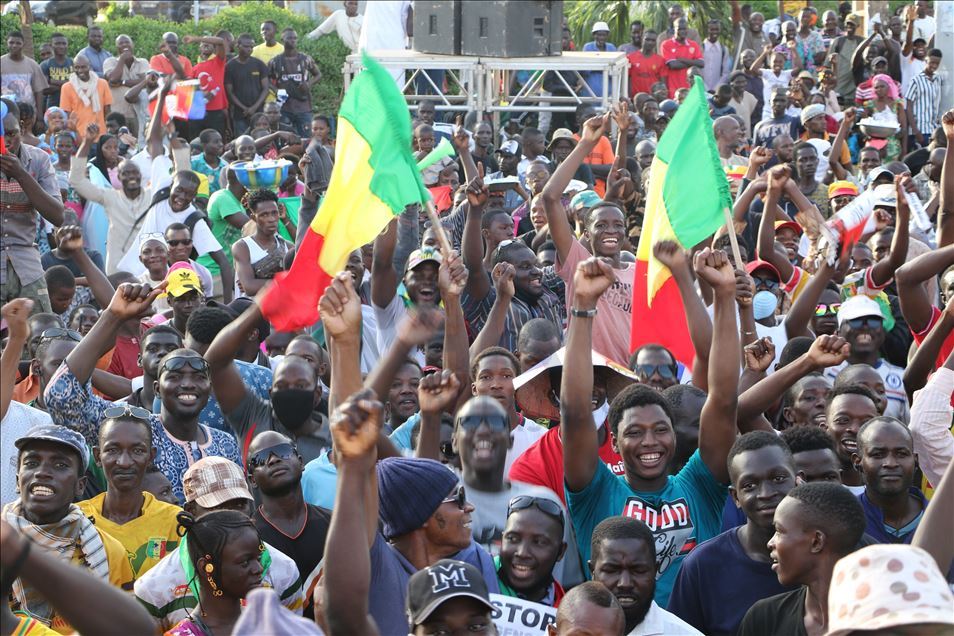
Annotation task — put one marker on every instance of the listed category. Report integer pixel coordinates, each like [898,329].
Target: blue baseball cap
[58,435]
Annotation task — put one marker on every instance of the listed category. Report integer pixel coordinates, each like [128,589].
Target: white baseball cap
[600,26]
[858,306]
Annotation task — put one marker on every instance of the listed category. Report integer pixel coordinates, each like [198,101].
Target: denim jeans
[301,122]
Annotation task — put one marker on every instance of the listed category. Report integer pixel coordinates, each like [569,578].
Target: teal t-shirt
[686,512]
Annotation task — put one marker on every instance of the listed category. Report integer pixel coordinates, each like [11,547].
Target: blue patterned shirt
[73,405]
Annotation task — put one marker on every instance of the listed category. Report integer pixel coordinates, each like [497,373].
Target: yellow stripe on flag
[351,215]
[656,228]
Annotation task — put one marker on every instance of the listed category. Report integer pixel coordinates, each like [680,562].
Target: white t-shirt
[769,82]
[924,28]
[384,24]
[523,437]
[910,67]
[18,421]
[388,318]
[824,157]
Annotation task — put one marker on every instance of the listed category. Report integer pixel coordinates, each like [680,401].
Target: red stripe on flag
[292,301]
[665,322]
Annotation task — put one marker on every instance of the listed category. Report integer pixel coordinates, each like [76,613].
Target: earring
[209,569]
[261,547]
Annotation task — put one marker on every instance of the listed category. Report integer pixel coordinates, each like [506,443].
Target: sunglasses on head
[472,422]
[59,332]
[459,497]
[872,322]
[281,451]
[770,283]
[827,310]
[179,362]
[546,506]
[666,371]
[127,410]
[178,242]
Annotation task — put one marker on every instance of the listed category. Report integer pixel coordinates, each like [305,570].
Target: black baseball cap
[444,580]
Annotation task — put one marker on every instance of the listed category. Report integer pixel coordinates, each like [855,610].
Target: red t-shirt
[125,358]
[644,71]
[211,76]
[671,50]
[542,463]
[948,345]
[161,64]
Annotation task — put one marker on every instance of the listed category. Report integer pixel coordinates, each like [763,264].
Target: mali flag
[374,178]
[688,190]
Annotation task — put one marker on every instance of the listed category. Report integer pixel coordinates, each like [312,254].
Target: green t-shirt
[222,204]
[686,512]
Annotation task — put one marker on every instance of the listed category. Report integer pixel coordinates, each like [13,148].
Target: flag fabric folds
[688,190]
[186,101]
[374,178]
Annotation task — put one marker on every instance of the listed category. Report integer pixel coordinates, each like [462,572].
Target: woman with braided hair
[222,559]
[261,255]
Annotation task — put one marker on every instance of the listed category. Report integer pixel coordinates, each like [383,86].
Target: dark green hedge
[328,52]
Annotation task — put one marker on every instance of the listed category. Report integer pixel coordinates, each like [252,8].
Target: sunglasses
[827,310]
[872,322]
[447,450]
[459,498]
[60,332]
[281,451]
[159,236]
[127,410]
[666,371]
[546,506]
[770,283]
[472,422]
[178,242]
[179,362]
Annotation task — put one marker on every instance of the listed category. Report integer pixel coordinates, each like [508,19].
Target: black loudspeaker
[502,28]
[437,26]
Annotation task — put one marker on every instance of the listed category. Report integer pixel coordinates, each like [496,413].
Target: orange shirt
[71,103]
[161,64]
[602,155]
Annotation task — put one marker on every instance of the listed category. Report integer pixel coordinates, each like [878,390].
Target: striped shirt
[924,93]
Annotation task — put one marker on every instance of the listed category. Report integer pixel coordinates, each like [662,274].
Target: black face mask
[293,407]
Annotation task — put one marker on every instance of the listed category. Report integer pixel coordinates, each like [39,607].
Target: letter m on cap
[444,577]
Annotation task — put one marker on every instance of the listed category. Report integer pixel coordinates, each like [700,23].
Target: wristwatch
[583,313]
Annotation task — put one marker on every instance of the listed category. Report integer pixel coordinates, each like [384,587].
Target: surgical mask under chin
[764,304]
[293,407]
[599,415]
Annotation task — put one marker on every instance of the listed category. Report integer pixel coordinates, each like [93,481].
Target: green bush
[328,52]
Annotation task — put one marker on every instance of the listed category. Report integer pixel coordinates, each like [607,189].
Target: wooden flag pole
[730,228]
[438,228]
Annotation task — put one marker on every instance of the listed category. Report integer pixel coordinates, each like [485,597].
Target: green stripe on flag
[696,189]
[377,111]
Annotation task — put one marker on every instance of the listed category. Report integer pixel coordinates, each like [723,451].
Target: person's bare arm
[452,280]
[826,351]
[384,278]
[858,57]
[16,313]
[226,274]
[221,46]
[496,322]
[461,141]
[758,62]
[580,442]
[945,213]
[921,364]
[717,423]
[765,246]
[78,178]
[114,387]
[227,383]
[883,271]
[758,356]
[671,254]
[436,394]
[933,533]
[88,603]
[243,269]
[49,206]
[340,310]
[834,157]
[70,241]
[416,329]
[916,306]
[355,427]
[154,135]
[560,230]
[472,243]
[910,14]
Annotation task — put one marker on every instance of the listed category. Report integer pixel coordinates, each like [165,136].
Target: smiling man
[146,527]
[815,526]
[847,409]
[762,472]
[50,467]
[532,545]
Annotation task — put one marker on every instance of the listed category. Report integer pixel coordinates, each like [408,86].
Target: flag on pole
[187,101]
[374,178]
[688,190]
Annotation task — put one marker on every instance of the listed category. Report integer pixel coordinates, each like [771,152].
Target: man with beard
[532,544]
[726,131]
[295,392]
[50,466]
[815,525]
[283,518]
[762,472]
[182,382]
[624,560]
[483,148]
[893,506]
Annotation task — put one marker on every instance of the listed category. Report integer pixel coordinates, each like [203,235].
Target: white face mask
[599,415]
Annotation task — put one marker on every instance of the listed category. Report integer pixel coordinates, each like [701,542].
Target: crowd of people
[467,422]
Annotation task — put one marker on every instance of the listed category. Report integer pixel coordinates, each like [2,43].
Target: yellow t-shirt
[28,626]
[265,53]
[146,539]
[120,575]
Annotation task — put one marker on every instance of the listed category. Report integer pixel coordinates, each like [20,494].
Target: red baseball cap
[760,264]
[792,225]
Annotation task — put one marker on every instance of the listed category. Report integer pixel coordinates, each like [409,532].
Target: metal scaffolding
[482,84]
